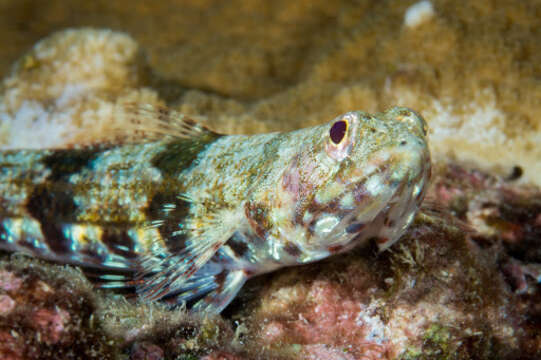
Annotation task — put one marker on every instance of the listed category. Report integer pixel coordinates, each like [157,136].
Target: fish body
[191,215]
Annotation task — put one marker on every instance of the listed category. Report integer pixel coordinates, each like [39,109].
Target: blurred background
[472,69]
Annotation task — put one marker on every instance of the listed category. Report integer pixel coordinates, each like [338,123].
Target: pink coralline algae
[10,347]
[146,351]
[221,355]
[322,351]
[500,213]
[339,321]
[6,305]
[326,317]
[47,316]
[8,281]
[51,324]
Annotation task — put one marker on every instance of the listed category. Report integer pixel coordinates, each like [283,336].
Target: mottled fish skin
[194,215]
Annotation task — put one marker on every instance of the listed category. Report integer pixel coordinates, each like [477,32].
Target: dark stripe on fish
[257,217]
[49,207]
[238,246]
[119,242]
[64,163]
[334,248]
[179,155]
[170,211]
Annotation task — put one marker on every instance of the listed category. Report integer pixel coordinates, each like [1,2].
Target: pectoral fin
[184,266]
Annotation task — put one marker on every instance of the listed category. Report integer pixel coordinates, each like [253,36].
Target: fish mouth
[385,204]
[398,212]
[382,216]
[368,209]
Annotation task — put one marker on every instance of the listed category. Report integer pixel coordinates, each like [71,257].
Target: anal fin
[227,287]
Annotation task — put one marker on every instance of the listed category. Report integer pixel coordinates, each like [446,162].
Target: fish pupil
[338,131]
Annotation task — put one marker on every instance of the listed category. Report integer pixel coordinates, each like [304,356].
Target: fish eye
[338,131]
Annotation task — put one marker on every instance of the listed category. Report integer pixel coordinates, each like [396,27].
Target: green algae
[437,343]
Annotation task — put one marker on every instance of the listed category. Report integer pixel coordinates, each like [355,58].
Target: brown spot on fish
[249,273]
[219,279]
[335,248]
[388,222]
[315,207]
[381,240]
[238,246]
[163,114]
[292,249]
[257,217]
[189,121]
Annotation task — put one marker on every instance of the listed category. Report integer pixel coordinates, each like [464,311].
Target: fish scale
[184,214]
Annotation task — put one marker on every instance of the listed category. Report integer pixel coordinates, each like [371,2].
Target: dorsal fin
[137,123]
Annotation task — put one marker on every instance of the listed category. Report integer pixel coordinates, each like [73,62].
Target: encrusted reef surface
[460,284]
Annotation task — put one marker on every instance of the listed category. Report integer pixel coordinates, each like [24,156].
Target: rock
[71,88]
[46,313]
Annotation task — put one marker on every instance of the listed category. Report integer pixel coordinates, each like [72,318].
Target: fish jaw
[395,192]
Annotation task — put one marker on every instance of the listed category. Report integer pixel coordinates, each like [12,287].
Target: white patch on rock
[482,123]
[32,126]
[418,13]
[368,317]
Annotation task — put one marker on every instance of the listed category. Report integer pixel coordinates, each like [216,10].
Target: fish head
[363,177]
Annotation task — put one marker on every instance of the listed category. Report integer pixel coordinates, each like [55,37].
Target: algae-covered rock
[53,312]
[47,313]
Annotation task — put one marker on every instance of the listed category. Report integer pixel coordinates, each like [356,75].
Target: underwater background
[461,284]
